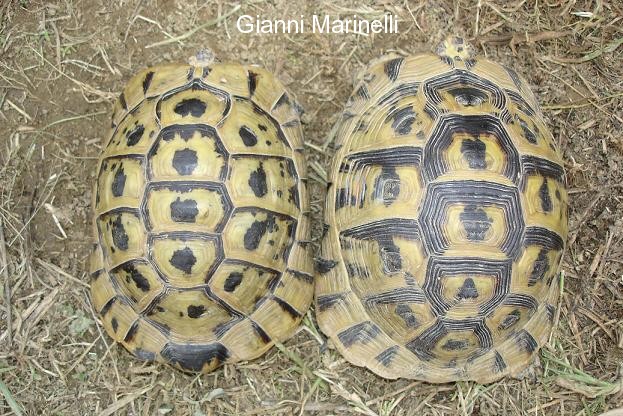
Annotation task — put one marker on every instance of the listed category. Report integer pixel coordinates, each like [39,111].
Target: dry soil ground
[62,64]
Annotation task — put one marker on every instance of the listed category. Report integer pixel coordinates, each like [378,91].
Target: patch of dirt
[61,66]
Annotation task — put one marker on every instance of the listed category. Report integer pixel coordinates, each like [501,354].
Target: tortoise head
[455,47]
[203,57]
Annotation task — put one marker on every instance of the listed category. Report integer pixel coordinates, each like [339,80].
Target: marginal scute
[120,183]
[135,133]
[201,217]
[138,282]
[251,129]
[445,222]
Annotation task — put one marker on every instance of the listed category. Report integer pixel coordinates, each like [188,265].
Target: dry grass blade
[120,404]
[352,398]
[74,118]
[302,367]
[614,412]
[569,377]
[610,47]
[515,39]
[194,30]
[4,271]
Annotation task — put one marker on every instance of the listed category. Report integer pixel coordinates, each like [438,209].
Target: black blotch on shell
[134,135]
[194,356]
[387,185]
[325,302]
[528,134]
[260,332]
[474,151]
[195,311]
[191,106]
[546,200]
[184,210]
[232,281]
[356,270]
[129,336]
[468,97]
[363,333]
[248,136]
[386,356]
[147,81]
[514,77]
[118,182]
[526,341]
[402,120]
[256,231]
[183,260]
[391,259]
[550,310]
[475,222]
[392,68]
[405,312]
[541,266]
[257,181]
[271,284]
[122,101]
[362,92]
[343,198]
[284,99]
[468,290]
[185,161]
[293,195]
[510,320]
[324,266]
[106,308]
[289,309]
[119,237]
[499,365]
[115,324]
[139,280]
[252,79]
[455,344]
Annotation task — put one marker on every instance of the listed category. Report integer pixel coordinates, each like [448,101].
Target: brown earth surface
[62,64]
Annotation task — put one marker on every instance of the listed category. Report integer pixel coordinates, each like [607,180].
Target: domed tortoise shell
[446,219]
[201,216]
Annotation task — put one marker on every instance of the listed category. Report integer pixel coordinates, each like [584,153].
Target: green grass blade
[16,408]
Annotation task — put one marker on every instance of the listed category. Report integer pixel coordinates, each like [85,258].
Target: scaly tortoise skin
[446,219]
[201,216]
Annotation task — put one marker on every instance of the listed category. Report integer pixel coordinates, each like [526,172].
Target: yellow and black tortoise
[201,216]
[445,220]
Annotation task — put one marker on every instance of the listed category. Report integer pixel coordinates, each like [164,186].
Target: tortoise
[446,219]
[201,216]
